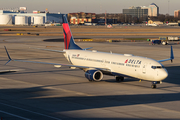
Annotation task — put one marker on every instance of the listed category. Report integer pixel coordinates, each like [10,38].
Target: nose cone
[162,74]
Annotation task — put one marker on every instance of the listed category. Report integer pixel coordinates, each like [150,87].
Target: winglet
[7,55]
[172,54]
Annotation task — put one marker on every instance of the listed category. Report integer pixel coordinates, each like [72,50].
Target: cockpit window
[157,67]
[153,67]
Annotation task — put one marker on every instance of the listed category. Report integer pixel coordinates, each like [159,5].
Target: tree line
[122,18]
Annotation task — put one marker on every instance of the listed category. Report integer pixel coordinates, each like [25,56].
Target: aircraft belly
[85,63]
[126,71]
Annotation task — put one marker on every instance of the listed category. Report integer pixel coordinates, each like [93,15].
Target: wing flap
[49,50]
[7,71]
[57,65]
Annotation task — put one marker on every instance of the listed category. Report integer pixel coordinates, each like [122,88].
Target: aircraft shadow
[174,76]
[64,104]
[37,96]
[7,72]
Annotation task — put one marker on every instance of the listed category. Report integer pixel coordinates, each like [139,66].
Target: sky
[94,6]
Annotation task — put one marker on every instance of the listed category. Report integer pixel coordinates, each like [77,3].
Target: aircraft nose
[163,74]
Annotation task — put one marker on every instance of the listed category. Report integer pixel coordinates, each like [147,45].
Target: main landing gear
[154,84]
[119,78]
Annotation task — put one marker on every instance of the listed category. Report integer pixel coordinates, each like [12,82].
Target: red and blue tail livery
[68,38]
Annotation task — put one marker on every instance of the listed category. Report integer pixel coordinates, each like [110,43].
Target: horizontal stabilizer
[87,48]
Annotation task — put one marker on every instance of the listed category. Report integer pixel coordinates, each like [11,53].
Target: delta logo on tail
[67,35]
[68,38]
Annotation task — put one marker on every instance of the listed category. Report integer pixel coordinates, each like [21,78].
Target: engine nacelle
[95,75]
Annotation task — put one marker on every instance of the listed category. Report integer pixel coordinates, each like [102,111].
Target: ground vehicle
[153,42]
[164,42]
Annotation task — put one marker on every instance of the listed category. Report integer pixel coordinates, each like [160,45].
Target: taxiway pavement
[41,91]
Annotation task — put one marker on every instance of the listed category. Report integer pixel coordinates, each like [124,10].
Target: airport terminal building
[143,11]
[136,12]
[35,18]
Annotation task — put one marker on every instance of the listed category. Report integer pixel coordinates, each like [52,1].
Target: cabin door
[144,68]
[103,63]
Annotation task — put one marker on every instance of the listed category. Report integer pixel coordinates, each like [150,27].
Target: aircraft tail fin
[68,38]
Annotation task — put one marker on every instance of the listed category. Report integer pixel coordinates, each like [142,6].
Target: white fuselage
[124,64]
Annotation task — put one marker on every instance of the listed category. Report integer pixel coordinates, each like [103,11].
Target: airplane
[96,64]
[172,24]
[151,24]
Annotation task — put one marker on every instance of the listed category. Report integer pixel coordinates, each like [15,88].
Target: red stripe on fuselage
[67,36]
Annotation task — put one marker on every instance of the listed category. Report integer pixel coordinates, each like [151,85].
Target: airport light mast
[105,19]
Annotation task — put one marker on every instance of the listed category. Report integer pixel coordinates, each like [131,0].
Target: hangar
[35,18]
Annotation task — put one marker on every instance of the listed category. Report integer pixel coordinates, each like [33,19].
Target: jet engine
[94,75]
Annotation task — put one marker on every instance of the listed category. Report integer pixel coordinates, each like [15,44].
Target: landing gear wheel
[153,86]
[119,79]
[122,78]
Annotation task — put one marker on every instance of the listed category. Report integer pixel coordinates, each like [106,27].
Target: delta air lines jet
[96,64]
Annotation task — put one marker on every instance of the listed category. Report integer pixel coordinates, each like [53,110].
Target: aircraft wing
[58,50]
[49,50]
[164,60]
[171,56]
[57,64]
[82,67]
[66,65]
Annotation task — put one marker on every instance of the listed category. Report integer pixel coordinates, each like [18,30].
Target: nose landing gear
[154,84]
